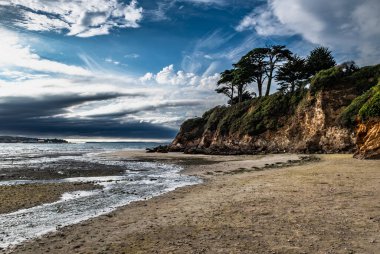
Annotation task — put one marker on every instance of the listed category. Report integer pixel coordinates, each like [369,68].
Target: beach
[246,204]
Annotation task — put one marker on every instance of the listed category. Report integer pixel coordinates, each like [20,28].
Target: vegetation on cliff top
[371,108]
[368,103]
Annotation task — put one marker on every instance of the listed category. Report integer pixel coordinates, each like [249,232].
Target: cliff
[368,127]
[320,119]
[368,140]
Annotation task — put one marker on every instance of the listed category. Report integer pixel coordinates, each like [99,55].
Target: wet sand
[247,204]
[16,197]
[59,170]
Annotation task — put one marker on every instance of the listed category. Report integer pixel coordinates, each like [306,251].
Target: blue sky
[136,69]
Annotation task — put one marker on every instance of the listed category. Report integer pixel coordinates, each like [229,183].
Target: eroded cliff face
[312,128]
[368,139]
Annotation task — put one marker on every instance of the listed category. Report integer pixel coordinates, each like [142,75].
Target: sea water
[139,181]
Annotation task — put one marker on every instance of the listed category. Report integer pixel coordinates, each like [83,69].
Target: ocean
[55,163]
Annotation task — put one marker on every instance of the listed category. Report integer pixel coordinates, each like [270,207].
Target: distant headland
[11,139]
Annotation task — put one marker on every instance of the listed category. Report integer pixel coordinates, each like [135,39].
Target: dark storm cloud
[37,116]
[168,104]
[46,106]
[62,127]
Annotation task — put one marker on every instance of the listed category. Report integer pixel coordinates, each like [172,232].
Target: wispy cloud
[13,54]
[201,55]
[82,18]
[110,60]
[132,55]
[264,21]
[163,6]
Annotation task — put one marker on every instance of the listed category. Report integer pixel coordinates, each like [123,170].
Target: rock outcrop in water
[320,119]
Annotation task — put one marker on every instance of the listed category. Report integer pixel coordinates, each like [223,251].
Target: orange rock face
[368,140]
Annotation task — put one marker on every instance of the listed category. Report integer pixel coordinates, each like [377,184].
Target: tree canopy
[259,67]
[319,59]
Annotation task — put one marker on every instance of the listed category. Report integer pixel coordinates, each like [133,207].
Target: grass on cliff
[371,107]
[250,117]
[362,79]
[363,107]
[266,113]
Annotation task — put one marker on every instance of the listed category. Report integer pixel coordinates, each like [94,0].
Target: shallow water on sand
[140,180]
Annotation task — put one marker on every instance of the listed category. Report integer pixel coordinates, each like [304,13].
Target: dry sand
[331,206]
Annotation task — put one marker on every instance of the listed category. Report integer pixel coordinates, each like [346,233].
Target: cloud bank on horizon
[137,69]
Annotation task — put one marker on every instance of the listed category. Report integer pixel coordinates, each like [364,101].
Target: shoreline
[207,216]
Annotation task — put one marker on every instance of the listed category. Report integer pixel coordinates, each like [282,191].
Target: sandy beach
[247,204]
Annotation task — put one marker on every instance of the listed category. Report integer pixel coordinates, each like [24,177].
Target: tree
[245,97]
[349,67]
[231,80]
[261,64]
[275,54]
[319,59]
[226,85]
[241,79]
[254,65]
[292,74]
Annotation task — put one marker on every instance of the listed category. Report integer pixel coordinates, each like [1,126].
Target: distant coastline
[12,139]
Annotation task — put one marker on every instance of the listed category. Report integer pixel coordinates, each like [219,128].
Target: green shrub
[214,117]
[365,105]
[371,108]
[230,122]
[193,128]
[347,117]
[365,78]
[265,114]
[326,78]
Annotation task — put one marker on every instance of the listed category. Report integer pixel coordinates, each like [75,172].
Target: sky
[135,70]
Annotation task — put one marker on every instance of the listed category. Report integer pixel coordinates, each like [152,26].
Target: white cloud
[39,22]
[110,60]
[264,22]
[15,55]
[82,18]
[168,76]
[217,2]
[147,77]
[132,55]
[349,27]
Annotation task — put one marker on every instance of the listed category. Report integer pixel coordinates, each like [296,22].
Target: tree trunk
[293,87]
[232,95]
[270,76]
[259,81]
[260,88]
[240,93]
